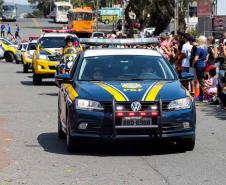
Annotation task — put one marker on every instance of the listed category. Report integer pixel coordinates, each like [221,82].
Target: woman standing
[199,62]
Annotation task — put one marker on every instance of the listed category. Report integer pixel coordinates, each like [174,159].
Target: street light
[97,12]
[123,16]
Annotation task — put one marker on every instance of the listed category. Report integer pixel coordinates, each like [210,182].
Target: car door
[19,53]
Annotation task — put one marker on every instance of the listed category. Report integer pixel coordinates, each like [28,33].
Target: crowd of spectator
[203,57]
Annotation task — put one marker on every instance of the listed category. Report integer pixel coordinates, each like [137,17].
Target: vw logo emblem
[135,106]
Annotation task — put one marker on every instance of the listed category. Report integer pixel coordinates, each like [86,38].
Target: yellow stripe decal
[151,96]
[71,91]
[188,93]
[117,95]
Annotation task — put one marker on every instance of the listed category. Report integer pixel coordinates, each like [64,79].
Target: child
[210,85]
[222,97]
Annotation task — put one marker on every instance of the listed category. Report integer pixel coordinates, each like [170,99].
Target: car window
[6,42]
[31,46]
[129,67]
[53,42]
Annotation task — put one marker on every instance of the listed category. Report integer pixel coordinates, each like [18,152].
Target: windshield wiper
[137,79]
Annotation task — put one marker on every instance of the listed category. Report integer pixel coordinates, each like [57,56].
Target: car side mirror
[184,76]
[63,78]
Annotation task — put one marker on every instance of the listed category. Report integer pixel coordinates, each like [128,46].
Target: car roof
[109,52]
[33,41]
[57,35]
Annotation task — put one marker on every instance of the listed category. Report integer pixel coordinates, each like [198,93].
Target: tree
[1,3]
[156,13]
[44,6]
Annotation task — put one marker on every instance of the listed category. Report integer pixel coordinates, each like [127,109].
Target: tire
[106,21]
[61,133]
[9,57]
[72,143]
[25,68]
[37,79]
[187,144]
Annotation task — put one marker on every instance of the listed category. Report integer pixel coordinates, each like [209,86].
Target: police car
[124,93]
[45,60]
[10,50]
[27,53]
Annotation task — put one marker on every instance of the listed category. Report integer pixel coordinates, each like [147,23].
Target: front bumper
[103,125]
[28,61]
[45,67]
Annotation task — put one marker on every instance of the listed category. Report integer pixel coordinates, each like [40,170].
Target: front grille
[165,106]
[53,58]
[52,67]
[145,106]
[108,106]
[172,127]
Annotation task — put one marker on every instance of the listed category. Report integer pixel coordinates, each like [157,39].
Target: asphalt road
[34,26]
[31,153]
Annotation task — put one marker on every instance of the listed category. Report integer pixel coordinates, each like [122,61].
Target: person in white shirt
[186,52]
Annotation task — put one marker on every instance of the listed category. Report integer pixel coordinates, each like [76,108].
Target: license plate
[136,122]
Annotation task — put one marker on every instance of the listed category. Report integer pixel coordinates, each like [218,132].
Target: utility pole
[123,16]
[97,12]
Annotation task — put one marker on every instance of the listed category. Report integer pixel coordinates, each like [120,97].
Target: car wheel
[61,133]
[25,68]
[9,57]
[72,143]
[187,144]
[106,21]
[37,79]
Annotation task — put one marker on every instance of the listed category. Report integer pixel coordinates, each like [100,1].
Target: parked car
[147,32]
[98,35]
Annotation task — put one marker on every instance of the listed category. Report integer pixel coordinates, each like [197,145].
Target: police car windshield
[31,46]
[53,42]
[128,68]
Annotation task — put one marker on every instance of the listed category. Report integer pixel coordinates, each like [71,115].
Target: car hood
[131,91]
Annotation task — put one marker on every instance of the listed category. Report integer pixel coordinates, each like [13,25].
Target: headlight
[87,105]
[43,57]
[183,103]
[69,64]
[29,56]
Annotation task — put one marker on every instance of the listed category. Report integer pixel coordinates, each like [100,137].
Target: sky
[17,1]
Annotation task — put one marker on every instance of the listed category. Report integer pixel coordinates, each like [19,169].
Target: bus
[9,12]
[80,21]
[109,15]
[61,10]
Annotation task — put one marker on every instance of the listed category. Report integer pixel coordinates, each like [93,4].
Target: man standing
[2,30]
[186,52]
[17,32]
[9,32]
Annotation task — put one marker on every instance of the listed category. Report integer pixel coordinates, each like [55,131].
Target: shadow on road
[51,143]
[53,22]
[212,110]
[48,94]
[45,83]
[21,72]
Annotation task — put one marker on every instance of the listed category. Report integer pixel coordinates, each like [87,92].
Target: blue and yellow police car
[124,93]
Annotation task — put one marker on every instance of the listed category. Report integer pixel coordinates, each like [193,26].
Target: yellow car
[26,55]
[10,54]
[45,60]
